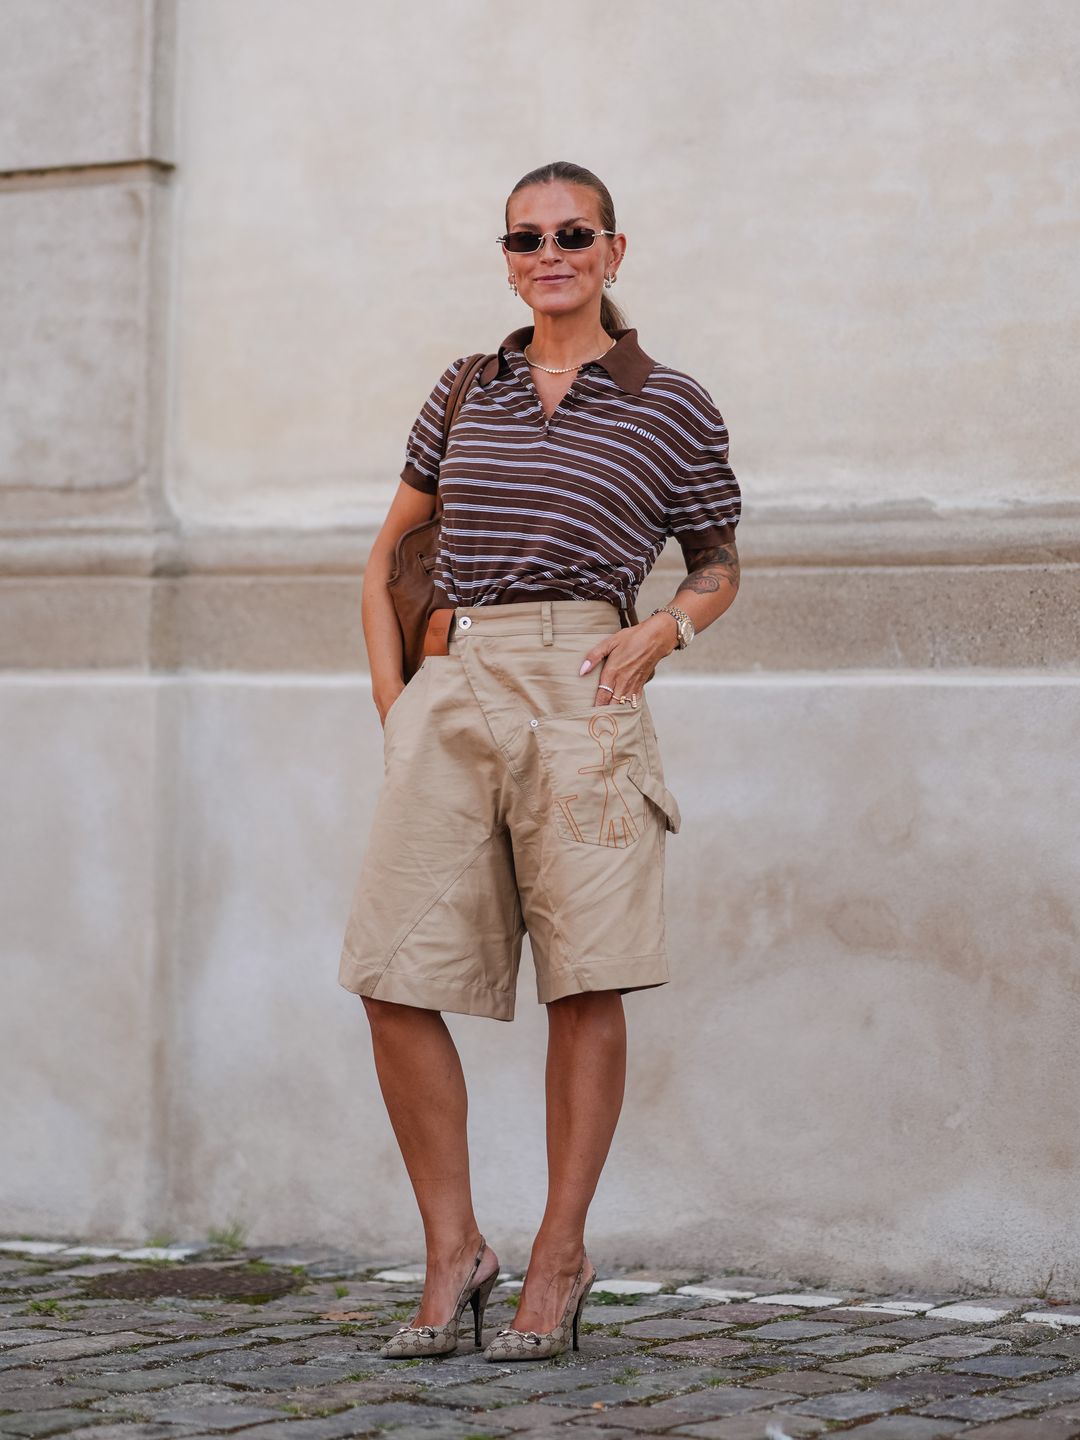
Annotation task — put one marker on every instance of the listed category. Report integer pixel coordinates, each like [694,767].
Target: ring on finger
[610,688]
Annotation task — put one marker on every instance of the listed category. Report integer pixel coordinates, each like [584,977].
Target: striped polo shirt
[578,506]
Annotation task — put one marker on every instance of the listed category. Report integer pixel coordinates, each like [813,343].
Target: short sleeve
[704,502]
[423,449]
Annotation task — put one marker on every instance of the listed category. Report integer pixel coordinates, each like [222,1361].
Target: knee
[598,1011]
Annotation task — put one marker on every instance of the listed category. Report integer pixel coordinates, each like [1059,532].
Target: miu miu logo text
[626,425]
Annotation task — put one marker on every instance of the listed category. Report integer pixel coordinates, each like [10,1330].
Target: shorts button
[534,723]
[465,622]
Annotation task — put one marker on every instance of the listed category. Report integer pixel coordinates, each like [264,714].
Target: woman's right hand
[384,698]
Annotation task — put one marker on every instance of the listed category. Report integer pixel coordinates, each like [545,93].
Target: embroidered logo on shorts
[615,824]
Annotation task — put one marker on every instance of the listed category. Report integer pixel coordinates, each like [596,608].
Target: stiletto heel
[511,1344]
[581,1306]
[413,1340]
[479,1301]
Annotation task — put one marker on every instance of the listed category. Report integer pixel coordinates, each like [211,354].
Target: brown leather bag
[411,583]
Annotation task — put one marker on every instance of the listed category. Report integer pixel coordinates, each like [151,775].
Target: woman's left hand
[628,659]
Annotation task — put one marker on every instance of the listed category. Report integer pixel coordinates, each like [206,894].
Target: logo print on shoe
[617,825]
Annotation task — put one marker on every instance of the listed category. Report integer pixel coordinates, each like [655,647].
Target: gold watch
[682,620]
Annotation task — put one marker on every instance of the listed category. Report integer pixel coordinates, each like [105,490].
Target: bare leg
[422,1083]
[585,1081]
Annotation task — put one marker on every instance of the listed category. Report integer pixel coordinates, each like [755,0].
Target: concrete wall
[237,244]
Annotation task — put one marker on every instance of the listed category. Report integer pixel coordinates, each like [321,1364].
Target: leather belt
[437,634]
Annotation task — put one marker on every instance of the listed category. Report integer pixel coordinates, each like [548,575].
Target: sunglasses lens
[574,239]
[526,242]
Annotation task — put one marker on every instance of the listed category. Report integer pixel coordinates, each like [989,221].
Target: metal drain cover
[197,1282]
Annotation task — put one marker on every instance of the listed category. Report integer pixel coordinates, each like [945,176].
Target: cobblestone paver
[148,1343]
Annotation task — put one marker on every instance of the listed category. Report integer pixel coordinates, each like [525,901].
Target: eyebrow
[530,225]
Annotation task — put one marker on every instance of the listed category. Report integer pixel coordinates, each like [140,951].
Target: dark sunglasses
[527,242]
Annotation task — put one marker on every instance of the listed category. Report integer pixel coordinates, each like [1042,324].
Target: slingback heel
[511,1344]
[412,1340]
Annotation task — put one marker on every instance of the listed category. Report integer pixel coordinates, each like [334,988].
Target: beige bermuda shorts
[512,803]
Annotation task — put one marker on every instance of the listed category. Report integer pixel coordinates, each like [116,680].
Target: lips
[552,279]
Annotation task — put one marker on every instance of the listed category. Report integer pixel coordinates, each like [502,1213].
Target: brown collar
[625,361]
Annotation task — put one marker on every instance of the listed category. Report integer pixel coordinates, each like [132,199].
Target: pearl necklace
[567,368]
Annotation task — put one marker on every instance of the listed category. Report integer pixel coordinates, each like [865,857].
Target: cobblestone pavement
[213,1342]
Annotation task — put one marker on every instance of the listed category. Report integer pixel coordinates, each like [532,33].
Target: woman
[523,784]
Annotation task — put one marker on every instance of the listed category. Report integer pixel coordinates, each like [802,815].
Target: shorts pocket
[658,793]
[400,700]
[595,765]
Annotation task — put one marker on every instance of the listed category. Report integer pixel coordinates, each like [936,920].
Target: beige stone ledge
[873,534]
[61,177]
[817,594]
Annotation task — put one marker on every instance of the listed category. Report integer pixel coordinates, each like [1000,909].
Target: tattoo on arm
[709,568]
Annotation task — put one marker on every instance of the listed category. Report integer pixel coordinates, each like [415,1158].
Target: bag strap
[462,380]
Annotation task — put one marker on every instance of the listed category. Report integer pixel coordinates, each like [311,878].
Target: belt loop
[545,616]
